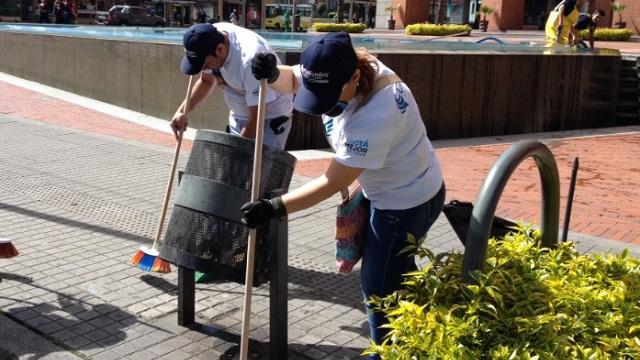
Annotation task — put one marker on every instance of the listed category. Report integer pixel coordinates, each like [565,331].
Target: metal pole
[350,11]
[186,296]
[572,187]
[278,291]
[251,246]
[263,14]
[244,13]
[491,190]
[294,23]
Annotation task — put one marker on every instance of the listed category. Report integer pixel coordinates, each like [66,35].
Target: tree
[485,10]
[618,8]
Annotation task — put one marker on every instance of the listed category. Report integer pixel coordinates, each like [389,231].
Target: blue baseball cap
[326,65]
[199,41]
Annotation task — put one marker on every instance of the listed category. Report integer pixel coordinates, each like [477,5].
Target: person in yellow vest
[560,27]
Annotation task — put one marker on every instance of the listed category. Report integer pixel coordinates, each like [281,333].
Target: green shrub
[529,303]
[608,34]
[436,30]
[330,27]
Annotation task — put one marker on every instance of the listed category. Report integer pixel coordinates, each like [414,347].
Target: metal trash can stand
[205,232]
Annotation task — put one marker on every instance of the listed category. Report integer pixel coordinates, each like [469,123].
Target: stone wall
[143,77]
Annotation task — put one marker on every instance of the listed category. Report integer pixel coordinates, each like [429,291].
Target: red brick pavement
[23,103]
[607,195]
[606,201]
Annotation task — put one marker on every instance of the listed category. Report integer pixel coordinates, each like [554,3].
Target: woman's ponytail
[368,71]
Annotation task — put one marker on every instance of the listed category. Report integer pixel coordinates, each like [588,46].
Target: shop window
[535,12]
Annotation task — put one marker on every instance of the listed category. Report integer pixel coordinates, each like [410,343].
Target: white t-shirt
[388,139]
[242,88]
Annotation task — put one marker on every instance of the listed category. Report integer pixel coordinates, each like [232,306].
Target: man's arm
[286,82]
[574,36]
[249,130]
[336,178]
[281,78]
[202,88]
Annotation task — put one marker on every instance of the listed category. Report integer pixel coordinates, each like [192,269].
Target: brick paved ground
[606,201]
[80,191]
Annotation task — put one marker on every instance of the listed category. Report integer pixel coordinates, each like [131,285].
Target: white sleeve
[252,88]
[369,133]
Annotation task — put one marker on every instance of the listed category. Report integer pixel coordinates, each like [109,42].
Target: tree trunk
[340,11]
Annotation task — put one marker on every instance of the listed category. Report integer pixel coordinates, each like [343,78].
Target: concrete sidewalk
[81,191]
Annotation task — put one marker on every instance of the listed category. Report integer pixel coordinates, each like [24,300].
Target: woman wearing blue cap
[374,125]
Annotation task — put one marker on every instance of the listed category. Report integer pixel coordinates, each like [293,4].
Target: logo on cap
[326,65]
[317,77]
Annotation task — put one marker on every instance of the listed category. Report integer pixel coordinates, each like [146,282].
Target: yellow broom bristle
[136,258]
[7,250]
[161,266]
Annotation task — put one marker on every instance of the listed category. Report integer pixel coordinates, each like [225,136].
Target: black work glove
[265,66]
[258,212]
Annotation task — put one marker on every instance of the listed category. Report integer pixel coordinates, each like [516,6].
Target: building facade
[508,15]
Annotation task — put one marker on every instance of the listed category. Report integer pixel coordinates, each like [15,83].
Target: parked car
[133,15]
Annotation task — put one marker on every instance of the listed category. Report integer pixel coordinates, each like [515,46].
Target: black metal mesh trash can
[205,232]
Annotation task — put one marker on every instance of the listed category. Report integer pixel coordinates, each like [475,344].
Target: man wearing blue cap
[373,124]
[222,55]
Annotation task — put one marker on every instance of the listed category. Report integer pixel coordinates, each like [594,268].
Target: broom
[147,259]
[7,250]
[251,246]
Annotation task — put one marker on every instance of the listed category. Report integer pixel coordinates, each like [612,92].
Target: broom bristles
[161,266]
[7,250]
[147,260]
[136,258]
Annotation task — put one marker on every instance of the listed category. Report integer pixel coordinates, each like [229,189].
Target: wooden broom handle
[174,164]
[251,246]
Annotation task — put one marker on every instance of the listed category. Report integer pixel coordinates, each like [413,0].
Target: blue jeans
[382,267]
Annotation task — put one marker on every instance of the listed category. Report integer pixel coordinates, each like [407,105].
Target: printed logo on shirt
[256,92]
[318,77]
[401,103]
[328,127]
[357,147]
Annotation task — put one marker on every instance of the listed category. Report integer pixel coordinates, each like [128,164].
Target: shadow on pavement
[74,223]
[70,323]
[260,349]
[343,289]
[4,355]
